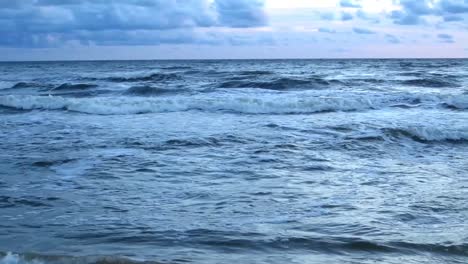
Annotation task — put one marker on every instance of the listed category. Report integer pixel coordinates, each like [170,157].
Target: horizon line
[237,59]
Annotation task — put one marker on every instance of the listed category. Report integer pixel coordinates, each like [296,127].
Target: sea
[234,161]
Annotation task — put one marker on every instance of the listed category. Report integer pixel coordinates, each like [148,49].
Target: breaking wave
[457,102]
[240,104]
[426,134]
[419,133]
[337,245]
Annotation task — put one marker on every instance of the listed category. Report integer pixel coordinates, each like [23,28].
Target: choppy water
[308,161]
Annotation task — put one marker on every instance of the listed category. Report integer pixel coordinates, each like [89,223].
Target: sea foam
[233,103]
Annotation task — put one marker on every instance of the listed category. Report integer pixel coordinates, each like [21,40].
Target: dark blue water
[288,161]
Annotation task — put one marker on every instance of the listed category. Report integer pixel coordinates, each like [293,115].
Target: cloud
[327,16]
[404,18]
[365,16]
[38,23]
[392,39]
[450,18]
[413,11]
[346,16]
[241,13]
[417,7]
[327,30]
[363,31]
[454,6]
[446,38]
[349,4]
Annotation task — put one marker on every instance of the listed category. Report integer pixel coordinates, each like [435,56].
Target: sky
[232,29]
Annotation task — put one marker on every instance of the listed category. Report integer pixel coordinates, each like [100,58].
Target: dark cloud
[392,39]
[349,4]
[413,11]
[37,23]
[346,16]
[241,13]
[417,7]
[454,6]
[405,18]
[363,31]
[446,38]
[451,18]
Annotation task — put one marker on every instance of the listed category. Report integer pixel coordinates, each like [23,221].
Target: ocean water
[281,161]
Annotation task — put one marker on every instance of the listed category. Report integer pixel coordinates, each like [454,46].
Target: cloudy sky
[212,29]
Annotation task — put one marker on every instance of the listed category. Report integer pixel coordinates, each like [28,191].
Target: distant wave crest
[23,85]
[431,83]
[78,86]
[146,90]
[278,84]
[155,77]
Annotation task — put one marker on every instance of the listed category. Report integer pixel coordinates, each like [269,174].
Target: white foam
[436,134]
[459,101]
[11,258]
[4,85]
[273,104]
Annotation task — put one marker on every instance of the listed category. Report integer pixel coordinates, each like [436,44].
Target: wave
[254,73]
[78,86]
[430,83]
[155,77]
[252,242]
[355,82]
[126,105]
[176,68]
[457,102]
[30,201]
[366,80]
[150,91]
[194,142]
[425,134]
[412,74]
[50,163]
[12,258]
[417,133]
[20,85]
[24,85]
[240,104]
[278,84]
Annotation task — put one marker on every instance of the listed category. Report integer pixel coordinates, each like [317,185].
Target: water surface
[286,161]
